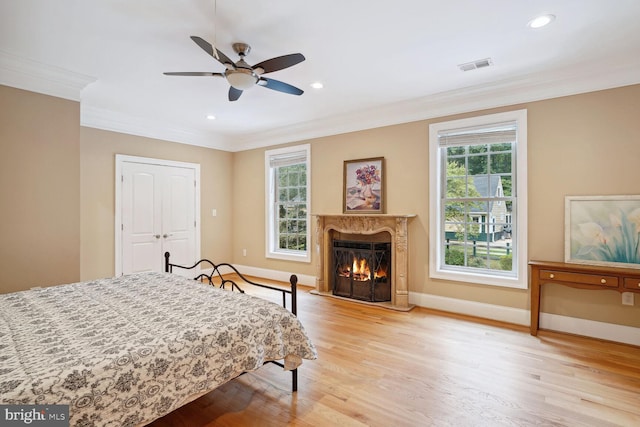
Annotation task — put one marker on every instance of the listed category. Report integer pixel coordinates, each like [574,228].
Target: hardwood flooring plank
[380,367]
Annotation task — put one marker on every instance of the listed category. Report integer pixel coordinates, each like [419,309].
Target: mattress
[128,350]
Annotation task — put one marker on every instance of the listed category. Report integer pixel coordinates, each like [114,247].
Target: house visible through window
[287,181]
[478,200]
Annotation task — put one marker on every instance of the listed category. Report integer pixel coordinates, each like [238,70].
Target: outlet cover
[627,298]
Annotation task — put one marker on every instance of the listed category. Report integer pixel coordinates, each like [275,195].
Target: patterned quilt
[128,350]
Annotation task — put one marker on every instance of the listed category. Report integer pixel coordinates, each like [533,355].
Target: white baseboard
[590,328]
[281,276]
[554,322]
[471,308]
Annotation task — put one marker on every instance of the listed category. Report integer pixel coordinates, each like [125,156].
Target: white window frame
[271,238]
[437,269]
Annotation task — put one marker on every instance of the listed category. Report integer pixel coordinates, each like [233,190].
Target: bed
[128,350]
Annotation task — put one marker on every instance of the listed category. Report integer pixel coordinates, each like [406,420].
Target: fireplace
[373,228]
[362,270]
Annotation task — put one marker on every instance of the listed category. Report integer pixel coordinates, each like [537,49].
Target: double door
[158,215]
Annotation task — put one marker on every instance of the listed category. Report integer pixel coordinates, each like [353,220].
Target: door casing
[120,161]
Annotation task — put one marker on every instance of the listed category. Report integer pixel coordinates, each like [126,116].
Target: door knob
[157,236]
[166,235]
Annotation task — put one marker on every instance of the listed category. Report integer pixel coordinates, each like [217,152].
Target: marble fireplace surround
[368,225]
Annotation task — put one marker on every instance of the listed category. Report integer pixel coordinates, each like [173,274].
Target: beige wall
[97,188]
[40,190]
[583,144]
[58,191]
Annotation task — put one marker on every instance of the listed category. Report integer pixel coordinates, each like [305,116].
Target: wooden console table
[578,276]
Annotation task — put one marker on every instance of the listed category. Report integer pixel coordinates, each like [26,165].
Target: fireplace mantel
[395,225]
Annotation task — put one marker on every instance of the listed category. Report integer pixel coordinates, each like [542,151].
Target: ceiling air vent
[480,63]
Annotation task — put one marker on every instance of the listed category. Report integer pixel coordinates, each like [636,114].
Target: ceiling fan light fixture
[241,79]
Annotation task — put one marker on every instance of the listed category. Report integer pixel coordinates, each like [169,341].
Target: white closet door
[158,215]
[178,215]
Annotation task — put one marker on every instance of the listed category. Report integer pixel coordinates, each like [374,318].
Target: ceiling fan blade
[279,63]
[206,46]
[193,73]
[234,93]
[279,86]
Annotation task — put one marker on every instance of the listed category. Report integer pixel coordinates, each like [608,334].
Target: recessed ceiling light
[541,21]
[317,85]
[211,117]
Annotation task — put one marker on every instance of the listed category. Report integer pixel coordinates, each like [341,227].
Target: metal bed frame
[216,272]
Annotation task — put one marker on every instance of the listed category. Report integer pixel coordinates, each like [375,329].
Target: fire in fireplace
[362,270]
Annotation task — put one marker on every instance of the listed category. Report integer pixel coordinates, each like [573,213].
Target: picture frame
[363,186]
[603,230]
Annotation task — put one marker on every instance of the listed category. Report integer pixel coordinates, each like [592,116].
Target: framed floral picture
[602,230]
[363,188]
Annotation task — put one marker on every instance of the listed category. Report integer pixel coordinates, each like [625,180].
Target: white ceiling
[381,62]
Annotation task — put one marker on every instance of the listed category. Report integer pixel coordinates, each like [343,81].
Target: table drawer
[632,284]
[580,278]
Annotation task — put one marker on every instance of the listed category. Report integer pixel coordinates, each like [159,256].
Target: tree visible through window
[478,193]
[292,207]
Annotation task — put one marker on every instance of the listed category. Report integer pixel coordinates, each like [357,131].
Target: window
[287,186]
[478,199]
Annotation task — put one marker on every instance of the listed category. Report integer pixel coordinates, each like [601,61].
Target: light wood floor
[378,367]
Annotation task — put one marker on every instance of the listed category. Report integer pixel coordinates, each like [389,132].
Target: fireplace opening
[362,270]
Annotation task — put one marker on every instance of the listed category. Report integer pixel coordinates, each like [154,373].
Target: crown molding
[34,76]
[38,77]
[141,126]
[527,88]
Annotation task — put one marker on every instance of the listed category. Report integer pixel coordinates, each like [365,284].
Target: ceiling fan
[240,75]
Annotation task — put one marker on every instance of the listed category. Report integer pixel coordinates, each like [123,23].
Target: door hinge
[121,178]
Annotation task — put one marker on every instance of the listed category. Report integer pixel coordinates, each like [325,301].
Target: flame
[361,271]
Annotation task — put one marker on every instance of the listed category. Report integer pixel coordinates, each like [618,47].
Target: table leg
[535,301]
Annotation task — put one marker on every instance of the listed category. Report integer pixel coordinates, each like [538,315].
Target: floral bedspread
[128,350]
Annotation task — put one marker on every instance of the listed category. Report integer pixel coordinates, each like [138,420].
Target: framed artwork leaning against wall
[603,230]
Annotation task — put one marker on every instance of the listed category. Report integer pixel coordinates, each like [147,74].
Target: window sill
[481,279]
[289,256]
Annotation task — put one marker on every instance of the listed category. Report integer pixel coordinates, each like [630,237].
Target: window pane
[477,165]
[293,179]
[455,151]
[501,163]
[456,187]
[291,211]
[456,167]
[507,146]
[480,148]
[282,178]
